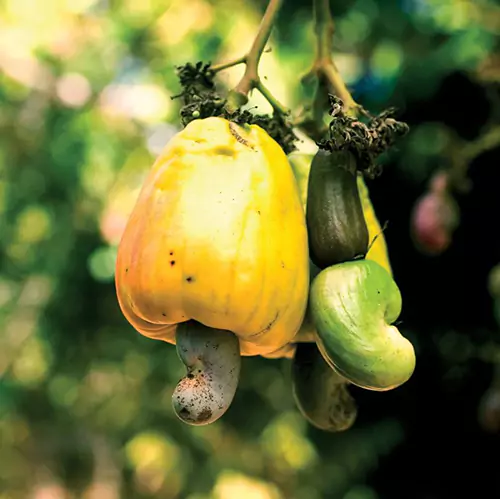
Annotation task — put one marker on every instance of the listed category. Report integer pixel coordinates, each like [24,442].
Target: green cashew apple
[353,306]
[336,225]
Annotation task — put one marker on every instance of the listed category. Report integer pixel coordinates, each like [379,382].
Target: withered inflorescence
[202,100]
[366,136]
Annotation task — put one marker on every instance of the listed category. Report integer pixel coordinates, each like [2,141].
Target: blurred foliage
[85,99]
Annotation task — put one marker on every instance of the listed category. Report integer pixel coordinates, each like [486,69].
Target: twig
[229,64]
[235,62]
[489,140]
[277,107]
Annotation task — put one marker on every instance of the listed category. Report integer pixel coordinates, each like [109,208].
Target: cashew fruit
[335,221]
[377,250]
[353,306]
[217,235]
[434,219]
[320,393]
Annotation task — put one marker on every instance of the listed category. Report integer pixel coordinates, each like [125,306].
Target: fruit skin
[335,221]
[213,363]
[301,166]
[306,333]
[377,251]
[217,235]
[319,392]
[353,305]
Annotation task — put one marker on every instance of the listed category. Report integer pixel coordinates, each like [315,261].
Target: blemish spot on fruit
[164,314]
[237,136]
[224,151]
[172,263]
[126,270]
[171,253]
[268,327]
[205,415]
[258,212]
[189,279]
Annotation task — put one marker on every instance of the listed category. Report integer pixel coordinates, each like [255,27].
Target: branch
[324,65]
[325,71]
[238,96]
[462,156]
[489,140]
[251,76]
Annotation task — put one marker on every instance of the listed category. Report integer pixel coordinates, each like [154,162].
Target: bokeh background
[85,401]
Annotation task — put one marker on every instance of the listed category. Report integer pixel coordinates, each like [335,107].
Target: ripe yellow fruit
[217,235]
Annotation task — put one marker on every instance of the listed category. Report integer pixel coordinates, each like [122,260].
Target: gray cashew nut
[213,361]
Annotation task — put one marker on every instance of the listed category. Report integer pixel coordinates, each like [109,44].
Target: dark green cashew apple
[212,358]
[353,306]
[320,393]
[336,225]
